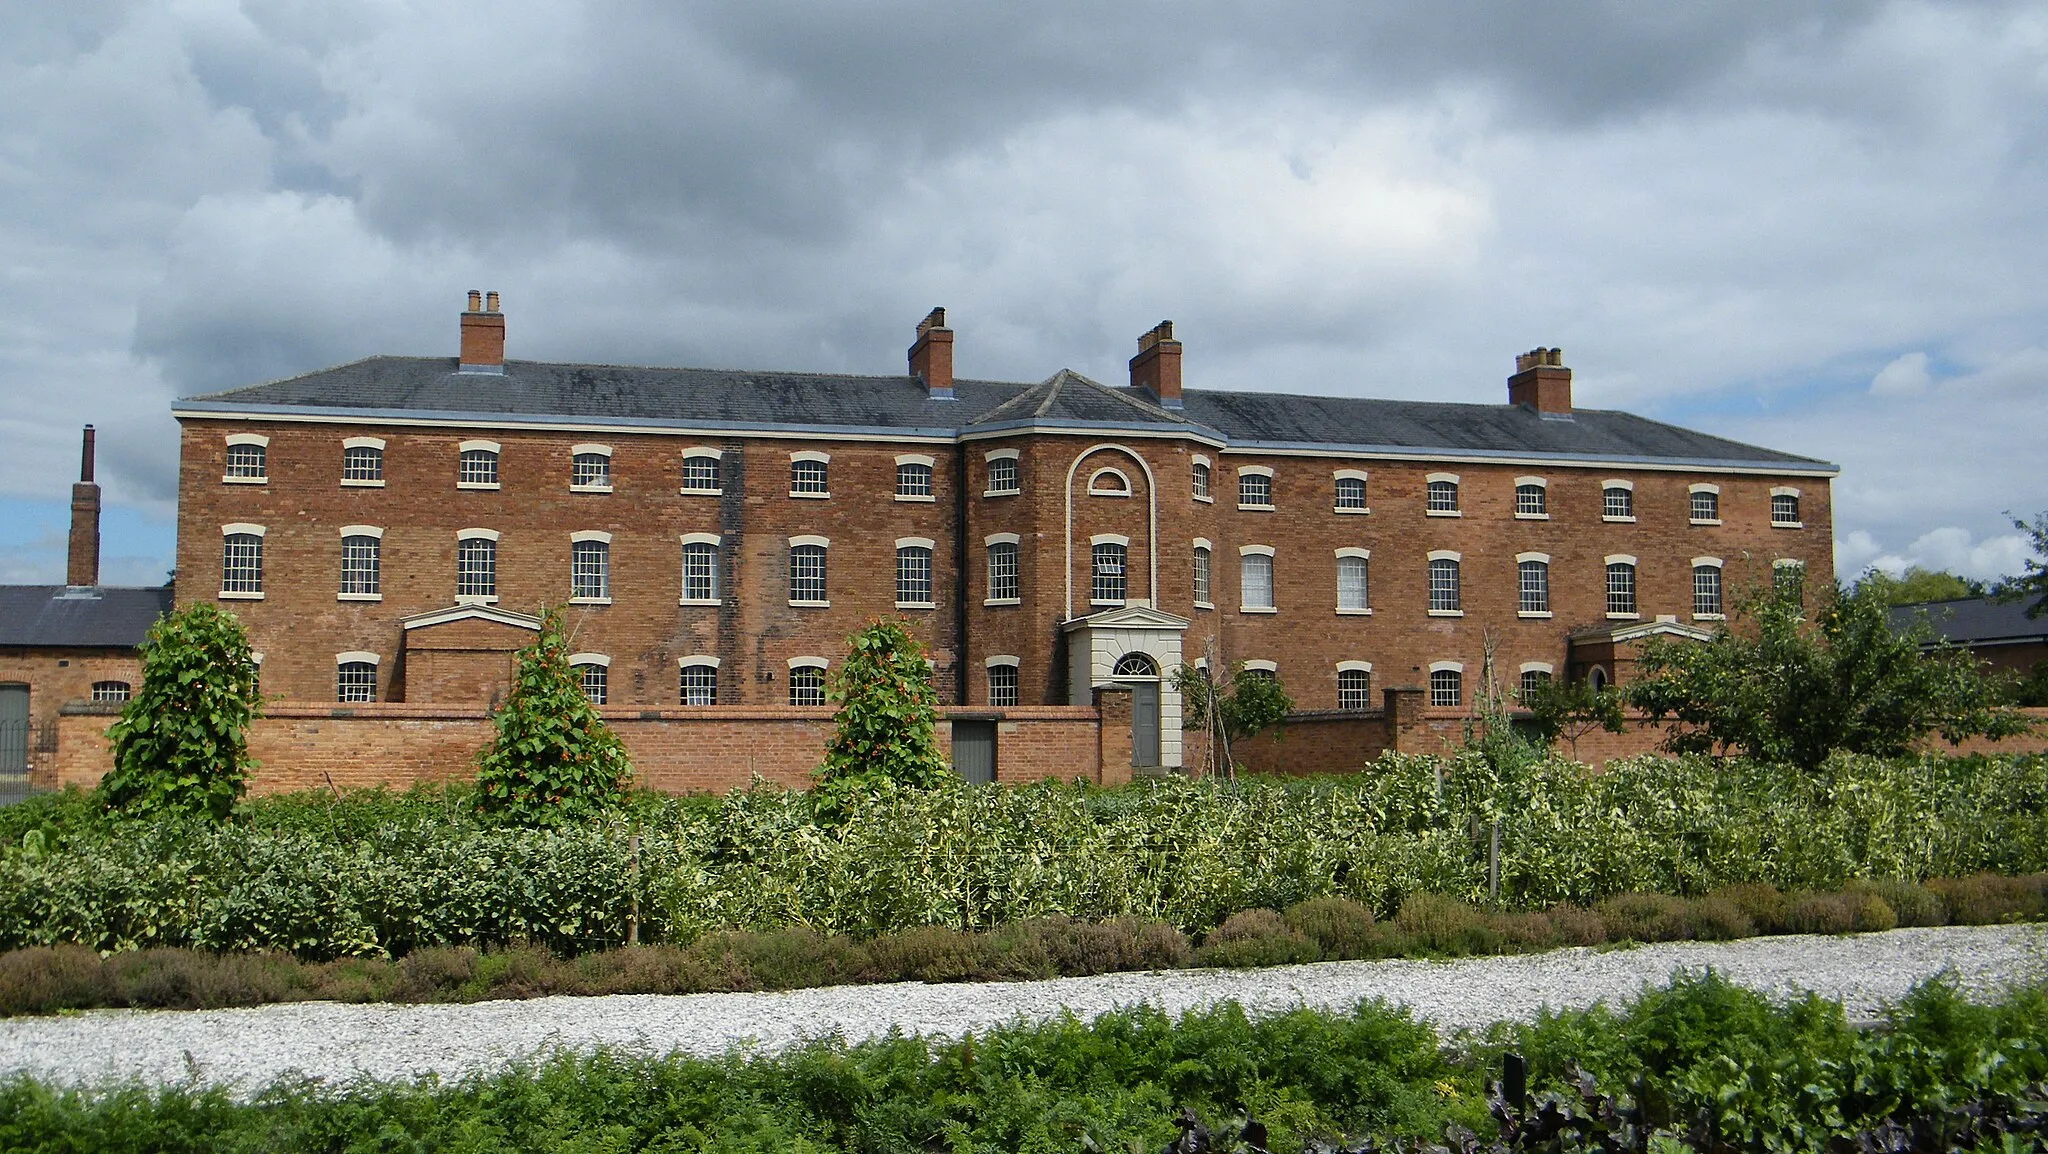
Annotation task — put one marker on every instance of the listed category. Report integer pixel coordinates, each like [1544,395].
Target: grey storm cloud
[1737,216]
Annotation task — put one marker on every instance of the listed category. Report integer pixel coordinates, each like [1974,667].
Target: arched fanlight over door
[1135,665]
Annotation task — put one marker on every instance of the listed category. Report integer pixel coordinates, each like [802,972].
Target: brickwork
[56,677]
[302,746]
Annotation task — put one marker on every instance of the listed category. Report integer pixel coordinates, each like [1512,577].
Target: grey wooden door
[974,750]
[1144,723]
[13,728]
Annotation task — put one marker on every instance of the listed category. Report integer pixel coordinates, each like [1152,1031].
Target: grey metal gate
[13,728]
[1144,723]
[974,750]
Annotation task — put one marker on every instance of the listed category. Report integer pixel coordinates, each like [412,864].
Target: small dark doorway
[13,728]
[974,750]
[1142,674]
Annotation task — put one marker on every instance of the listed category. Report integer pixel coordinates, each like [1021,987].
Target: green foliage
[1918,585]
[1783,692]
[553,759]
[179,743]
[1248,702]
[884,734]
[2028,690]
[1571,709]
[2031,585]
[1712,1065]
[308,876]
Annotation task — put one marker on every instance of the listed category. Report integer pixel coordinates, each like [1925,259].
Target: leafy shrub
[929,954]
[1911,905]
[1072,947]
[1340,927]
[1716,919]
[552,759]
[1255,938]
[1576,926]
[1987,899]
[179,744]
[1444,925]
[45,979]
[886,727]
[1760,902]
[787,959]
[1647,917]
[1810,913]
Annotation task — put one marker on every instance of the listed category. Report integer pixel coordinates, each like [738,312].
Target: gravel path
[250,1048]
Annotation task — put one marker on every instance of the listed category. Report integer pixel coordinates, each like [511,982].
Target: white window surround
[1618,559]
[810,539]
[916,459]
[242,527]
[703,451]
[348,443]
[1351,475]
[1429,477]
[697,659]
[1710,562]
[472,534]
[1617,483]
[713,540]
[1539,482]
[1354,667]
[1445,555]
[238,440]
[809,663]
[1000,455]
[363,443]
[1354,551]
[1784,491]
[1703,487]
[1362,555]
[1538,667]
[362,531]
[1447,666]
[915,543]
[811,455]
[1521,557]
[1254,471]
[1788,563]
[1203,543]
[1363,478]
[576,659]
[356,655]
[1244,471]
[702,539]
[590,535]
[1262,666]
[1252,550]
[604,451]
[814,456]
[1000,659]
[1434,478]
[479,446]
[1542,483]
[1095,490]
[1110,539]
[257,439]
[1201,459]
[588,450]
[1001,539]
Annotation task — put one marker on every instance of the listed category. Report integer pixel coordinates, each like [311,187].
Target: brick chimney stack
[82,566]
[1156,368]
[931,355]
[483,336]
[1542,382]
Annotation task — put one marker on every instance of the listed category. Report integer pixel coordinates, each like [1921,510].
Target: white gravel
[247,1049]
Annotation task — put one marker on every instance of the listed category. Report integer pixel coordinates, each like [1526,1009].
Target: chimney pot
[1542,382]
[1156,368]
[931,355]
[483,336]
[82,562]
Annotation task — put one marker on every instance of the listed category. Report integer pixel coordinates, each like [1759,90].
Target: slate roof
[93,617]
[740,400]
[1976,620]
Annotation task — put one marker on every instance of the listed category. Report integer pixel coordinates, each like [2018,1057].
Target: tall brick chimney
[1541,382]
[483,336]
[82,566]
[1156,368]
[931,355]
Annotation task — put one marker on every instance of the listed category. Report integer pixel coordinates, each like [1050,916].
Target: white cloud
[1905,376]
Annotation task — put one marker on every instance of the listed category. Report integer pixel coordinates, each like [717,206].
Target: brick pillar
[82,562]
[1406,732]
[1113,735]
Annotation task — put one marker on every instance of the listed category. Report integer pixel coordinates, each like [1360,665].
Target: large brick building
[388,529]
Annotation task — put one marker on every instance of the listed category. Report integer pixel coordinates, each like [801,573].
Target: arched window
[913,478]
[1254,487]
[807,572]
[361,552]
[700,568]
[700,471]
[807,474]
[1618,501]
[593,673]
[1200,482]
[807,681]
[110,691]
[355,677]
[913,573]
[1442,495]
[1203,598]
[1534,678]
[1532,498]
[699,681]
[1706,587]
[1002,473]
[1446,685]
[477,465]
[1785,508]
[1445,595]
[1002,570]
[1002,681]
[1135,665]
[590,569]
[1255,579]
[1354,685]
[590,469]
[1350,491]
[248,454]
[362,461]
[1353,593]
[1532,594]
[476,566]
[241,561]
[1703,504]
[1621,586]
[1109,483]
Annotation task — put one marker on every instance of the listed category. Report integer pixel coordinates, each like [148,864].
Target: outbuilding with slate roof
[390,528]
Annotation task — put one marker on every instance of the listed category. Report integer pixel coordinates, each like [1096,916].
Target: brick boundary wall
[712,748]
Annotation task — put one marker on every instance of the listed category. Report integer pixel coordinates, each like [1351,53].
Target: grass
[52,979]
[1702,1058]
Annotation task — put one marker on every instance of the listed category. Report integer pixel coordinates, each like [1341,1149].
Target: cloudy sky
[1821,227]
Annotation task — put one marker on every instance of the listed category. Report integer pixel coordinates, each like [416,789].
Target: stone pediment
[1130,617]
[1640,631]
[457,613]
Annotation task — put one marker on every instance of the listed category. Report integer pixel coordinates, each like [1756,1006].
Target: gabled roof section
[454,613]
[1639,631]
[79,617]
[429,390]
[1129,617]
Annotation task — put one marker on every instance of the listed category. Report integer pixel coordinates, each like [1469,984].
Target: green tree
[886,728]
[1571,709]
[1781,689]
[1918,585]
[553,759]
[2032,584]
[180,742]
[1248,702]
